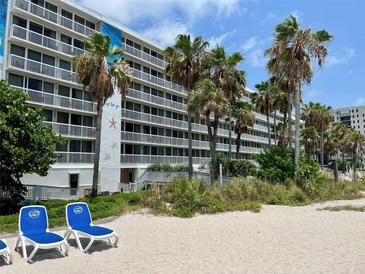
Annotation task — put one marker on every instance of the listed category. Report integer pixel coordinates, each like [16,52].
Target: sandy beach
[278,240]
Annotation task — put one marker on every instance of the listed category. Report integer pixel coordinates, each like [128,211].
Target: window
[78,44]
[62,117]
[86,146]
[36,28]
[129,42]
[34,84]
[19,21]
[47,115]
[66,14]
[87,121]
[49,60]
[64,91]
[75,146]
[76,93]
[38,2]
[66,39]
[76,119]
[74,180]
[90,24]
[147,89]
[49,33]
[15,80]
[79,19]
[65,65]
[17,50]
[51,7]
[34,55]
[48,87]
[61,147]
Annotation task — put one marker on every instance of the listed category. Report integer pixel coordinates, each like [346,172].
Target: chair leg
[65,245]
[33,253]
[116,240]
[24,248]
[78,241]
[9,257]
[17,243]
[89,245]
[67,235]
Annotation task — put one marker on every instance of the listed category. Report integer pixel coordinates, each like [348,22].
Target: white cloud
[249,44]
[297,14]
[257,58]
[360,101]
[340,57]
[218,40]
[165,32]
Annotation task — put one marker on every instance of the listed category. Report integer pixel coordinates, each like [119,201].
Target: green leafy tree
[102,69]
[291,57]
[184,66]
[209,100]
[27,146]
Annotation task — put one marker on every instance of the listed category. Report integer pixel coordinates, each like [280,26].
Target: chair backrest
[33,219]
[78,215]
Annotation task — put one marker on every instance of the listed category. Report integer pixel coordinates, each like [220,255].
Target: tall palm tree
[319,117]
[337,133]
[310,140]
[207,100]
[222,69]
[184,63]
[355,145]
[264,103]
[291,55]
[102,69]
[244,118]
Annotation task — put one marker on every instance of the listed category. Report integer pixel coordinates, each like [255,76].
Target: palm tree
[291,56]
[184,63]
[263,102]
[355,145]
[209,100]
[310,140]
[244,118]
[102,69]
[337,133]
[222,69]
[319,117]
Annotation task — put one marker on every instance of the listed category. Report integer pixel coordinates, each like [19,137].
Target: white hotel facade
[39,40]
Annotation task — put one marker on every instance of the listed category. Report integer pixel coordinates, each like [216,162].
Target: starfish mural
[113,123]
[114,145]
[107,157]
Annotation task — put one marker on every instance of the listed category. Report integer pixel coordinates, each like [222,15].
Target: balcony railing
[44,41]
[53,17]
[158,81]
[150,159]
[72,130]
[150,118]
[49,99]
[145,56]
[173,141]
[41,68]
[155,99]
[75,157]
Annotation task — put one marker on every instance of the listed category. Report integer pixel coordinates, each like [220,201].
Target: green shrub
[164,167]
[242,167]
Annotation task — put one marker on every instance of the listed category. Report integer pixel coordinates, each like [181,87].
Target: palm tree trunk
[268,128]
[230,131]
[354,165]
[238,145]
[297,131]
[289,127]
[99,109]
[212,145]
[283,142]
[322,148]
[336,164]
[275,128]
[190,141]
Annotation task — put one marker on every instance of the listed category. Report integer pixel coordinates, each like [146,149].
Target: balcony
[140,95]
[44,41]
[70,130]
[75,157]
[158,81]
[145,56]
[42,69]
[150,159]
[134,137]
[53,17]
[49,99]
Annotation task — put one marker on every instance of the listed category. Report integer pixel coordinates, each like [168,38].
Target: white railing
[41,192]
[49,99]
[172,141]
[53,17]
[140,95]
[45,41]
[149,159]
[158,81]
[75,157]
[71,130]
[145,56]
[150,118]
[41,68]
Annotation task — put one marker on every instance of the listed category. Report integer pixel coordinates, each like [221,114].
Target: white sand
[277,240]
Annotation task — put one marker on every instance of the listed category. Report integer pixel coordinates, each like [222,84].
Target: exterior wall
[353,117]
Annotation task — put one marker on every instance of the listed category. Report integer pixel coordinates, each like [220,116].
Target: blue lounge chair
[5,251]
[33,229]
[79,223]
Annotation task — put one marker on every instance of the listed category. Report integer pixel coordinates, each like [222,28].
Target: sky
[247,26]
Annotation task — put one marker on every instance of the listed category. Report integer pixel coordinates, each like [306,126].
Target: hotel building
[39,38]
[352,117]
